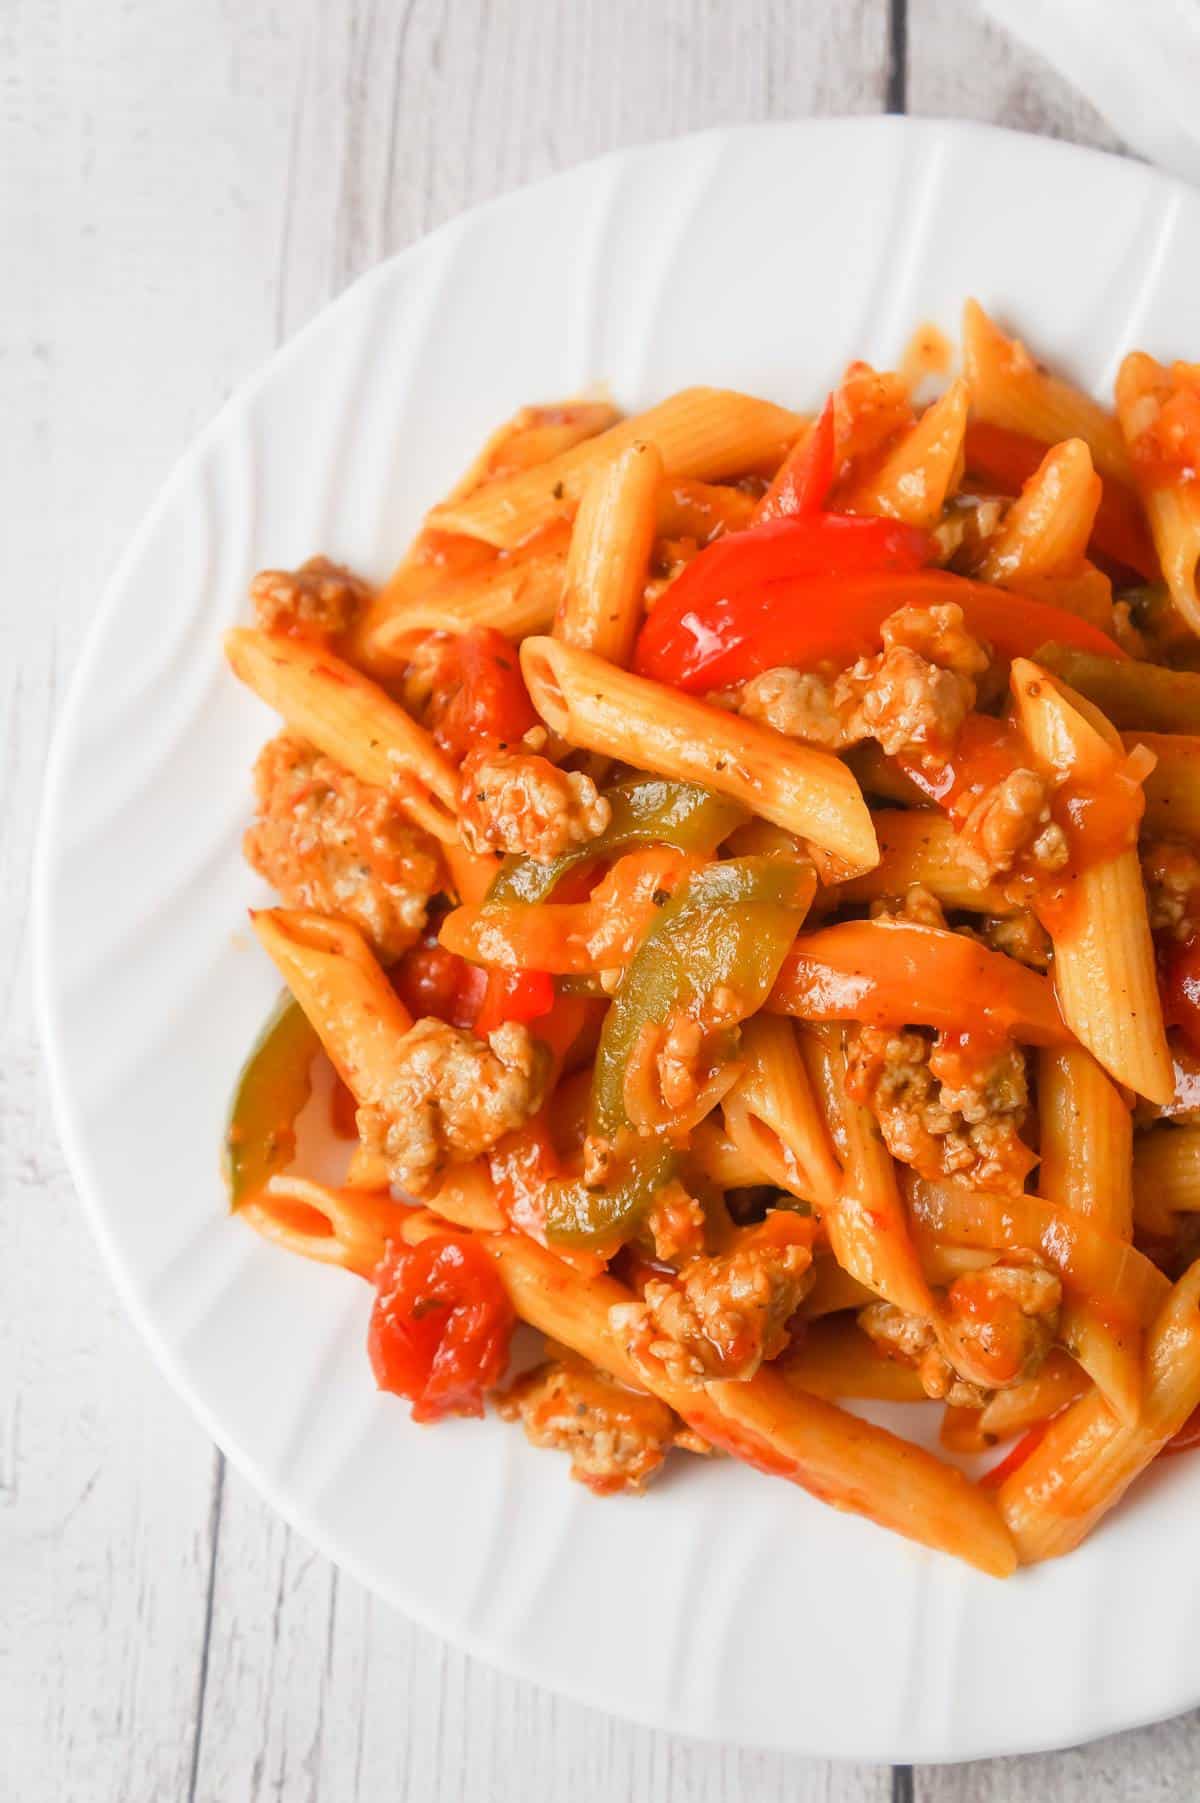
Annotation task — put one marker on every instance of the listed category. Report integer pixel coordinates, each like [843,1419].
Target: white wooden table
[182,184]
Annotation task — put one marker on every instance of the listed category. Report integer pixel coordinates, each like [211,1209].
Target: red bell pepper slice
[801,484]
[700,638]
[1007,459]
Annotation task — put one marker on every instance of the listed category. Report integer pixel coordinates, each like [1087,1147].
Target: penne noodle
[1131,694]
[642,723]
[918,846]
[1091,1262]
[351,720]
[1172,789]
[1104,970]
[1013,1411]
[515,594]
[1046,531]
[1086,1139]
[919,471]
[867,1227]
[835,1358]
[346,1227]
[533,435]
[833,1290]
[702,510]
[706,432]
[1009,389]
[608,563]
[713,1157]
[335,977]
[1109,1351]
[773,1117]
[1085,591]
[1166,1177]
[1088,1458]
[1170,492]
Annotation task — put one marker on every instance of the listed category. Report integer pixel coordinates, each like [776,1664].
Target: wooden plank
[132,300]
[961,66]
[1142,1767]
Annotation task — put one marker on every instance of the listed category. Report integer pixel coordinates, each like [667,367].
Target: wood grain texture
[182,184]
[960,66]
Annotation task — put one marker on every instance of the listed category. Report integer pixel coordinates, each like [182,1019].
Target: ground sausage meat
[797,703]
[912,697]
[993,1330]
[452,1096]
[999,1323]
[724,1315]
[913,1340]
[515,801]
[1010,819]
[918,906]
[945,1107]
[328,842]
[617,1438]
[676,1225]
[1172,874]
[320,600]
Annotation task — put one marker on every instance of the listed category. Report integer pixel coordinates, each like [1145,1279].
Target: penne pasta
[1104,969]
[516,593]
[772,1116]
[920,469]
[1172,788]
[918,846]
[1129,693]
[1086,1139]
[1163,456]
[867,1228]
[333,974]
[1088,1458]
[706,432]
[628,717]
[351,720]
[835,1358]
[1009,389]
[601,606]
[1166,1177]
[346,1227]
[1046,530]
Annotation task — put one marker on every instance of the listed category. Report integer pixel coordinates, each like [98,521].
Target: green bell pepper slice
[646,810]
[730,925]
[274,1084]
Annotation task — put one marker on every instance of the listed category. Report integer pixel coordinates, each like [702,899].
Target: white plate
[723,1605]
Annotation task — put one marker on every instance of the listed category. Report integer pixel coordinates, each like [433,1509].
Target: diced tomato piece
[486,699]
[429,980]
[440,1327]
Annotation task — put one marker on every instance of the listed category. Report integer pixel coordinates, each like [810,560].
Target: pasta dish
[739,907]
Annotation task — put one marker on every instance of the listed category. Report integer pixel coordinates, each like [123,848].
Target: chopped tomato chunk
[488,701]
[441,1326]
